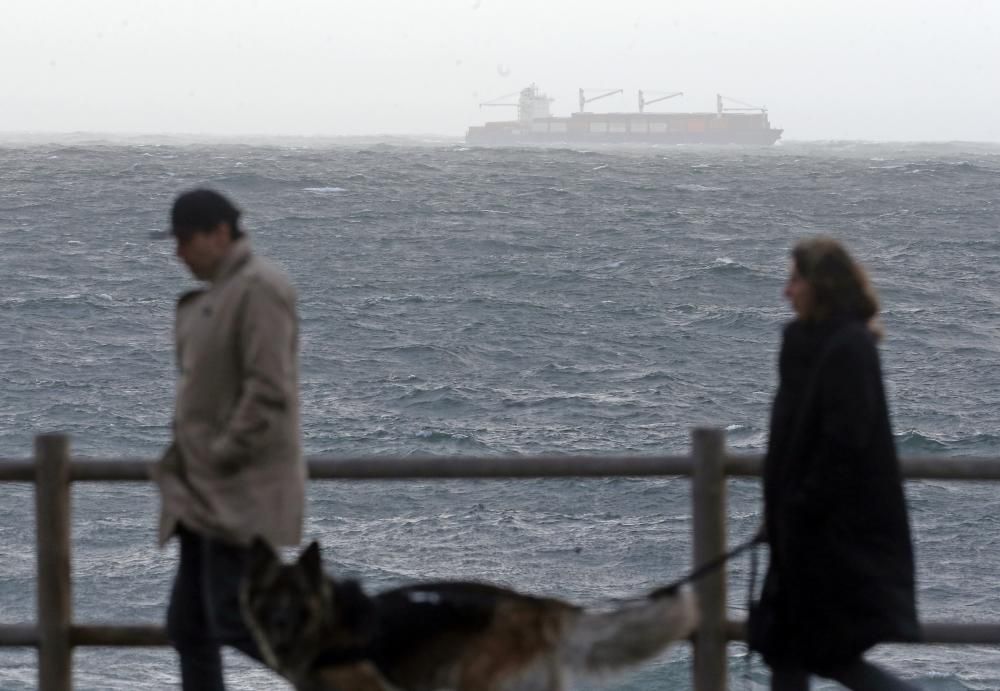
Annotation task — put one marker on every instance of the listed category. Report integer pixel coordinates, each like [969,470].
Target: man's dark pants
[204,611]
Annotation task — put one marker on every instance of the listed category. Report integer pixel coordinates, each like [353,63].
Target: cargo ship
[535,125]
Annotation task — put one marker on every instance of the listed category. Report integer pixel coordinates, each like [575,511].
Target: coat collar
[818,331]
[238,255]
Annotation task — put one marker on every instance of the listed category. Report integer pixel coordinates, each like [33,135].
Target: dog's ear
[311,564]
[260,557]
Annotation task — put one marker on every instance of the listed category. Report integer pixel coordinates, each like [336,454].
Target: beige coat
[235,467]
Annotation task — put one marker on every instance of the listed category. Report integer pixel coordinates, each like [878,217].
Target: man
[234,469]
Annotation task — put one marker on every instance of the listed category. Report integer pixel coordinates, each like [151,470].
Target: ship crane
[495,101]
[584,100]
[720,106]
[643,101]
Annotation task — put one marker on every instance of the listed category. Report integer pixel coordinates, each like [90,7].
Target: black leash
[713,564]
[709,566]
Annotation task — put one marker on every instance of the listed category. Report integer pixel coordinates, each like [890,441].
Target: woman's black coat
[841,563]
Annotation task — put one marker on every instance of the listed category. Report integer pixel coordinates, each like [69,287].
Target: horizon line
[51,135]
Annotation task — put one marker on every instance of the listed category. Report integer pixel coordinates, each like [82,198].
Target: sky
[894,70]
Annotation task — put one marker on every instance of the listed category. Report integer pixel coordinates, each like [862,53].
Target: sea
[499,302]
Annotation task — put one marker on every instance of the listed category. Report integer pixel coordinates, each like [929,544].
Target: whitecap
[325,190]
[755,441]
[698,188]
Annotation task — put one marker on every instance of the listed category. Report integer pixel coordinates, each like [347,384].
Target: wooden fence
[53,471]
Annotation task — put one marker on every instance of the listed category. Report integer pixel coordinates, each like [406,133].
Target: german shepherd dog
[322,633]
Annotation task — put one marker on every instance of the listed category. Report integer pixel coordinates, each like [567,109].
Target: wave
[692,187]
[323,190]
[895,149]
[440,396]
[424,212]
[913,442]
[577,400]
[396,300]
[728,263]
[725,267]
[545,191]
[425,166]
[253,182]
[655,376]
[745,439]
[457,440]
[933,167]
[60,304]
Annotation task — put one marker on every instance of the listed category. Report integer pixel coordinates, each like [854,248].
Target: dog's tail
[603,641]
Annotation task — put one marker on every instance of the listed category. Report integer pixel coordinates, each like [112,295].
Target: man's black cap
[201,209]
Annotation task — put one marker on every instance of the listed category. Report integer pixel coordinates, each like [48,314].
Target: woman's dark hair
[839,285]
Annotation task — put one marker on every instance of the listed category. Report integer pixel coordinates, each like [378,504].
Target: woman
[840,578]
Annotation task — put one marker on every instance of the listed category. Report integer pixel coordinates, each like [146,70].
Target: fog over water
[892,70]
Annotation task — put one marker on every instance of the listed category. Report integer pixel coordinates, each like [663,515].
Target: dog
[326,634]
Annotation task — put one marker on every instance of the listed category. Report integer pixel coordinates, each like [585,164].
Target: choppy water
[472,301]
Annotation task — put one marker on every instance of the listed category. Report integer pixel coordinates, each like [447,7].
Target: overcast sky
[845,69]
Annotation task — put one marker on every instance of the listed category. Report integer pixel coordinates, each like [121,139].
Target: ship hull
[642,129]
[754,138]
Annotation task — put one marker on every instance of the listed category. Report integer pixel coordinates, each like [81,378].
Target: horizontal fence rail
[471,467]
[53,471]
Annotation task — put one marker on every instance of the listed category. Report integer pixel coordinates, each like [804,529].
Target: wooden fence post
[709,507]
[52,533]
